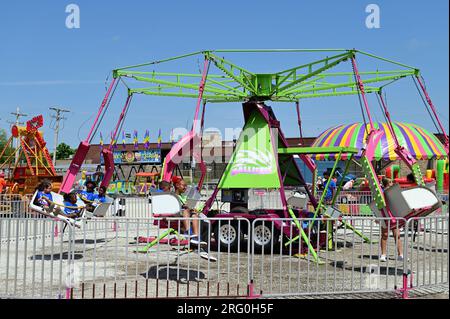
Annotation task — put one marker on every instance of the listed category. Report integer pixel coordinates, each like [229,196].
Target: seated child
[88,196]
[44,197]
[100,197]
[180,189]
[164,187]
[70,201]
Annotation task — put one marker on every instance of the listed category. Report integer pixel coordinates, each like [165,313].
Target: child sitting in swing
[44,197]
[71,209]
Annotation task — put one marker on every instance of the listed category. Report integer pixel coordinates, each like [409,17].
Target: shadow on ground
[59,256]
[173,273]
[382,270]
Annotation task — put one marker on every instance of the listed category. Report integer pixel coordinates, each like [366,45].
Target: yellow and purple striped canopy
[422,144]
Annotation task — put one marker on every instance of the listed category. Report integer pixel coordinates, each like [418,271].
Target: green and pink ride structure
[262,178]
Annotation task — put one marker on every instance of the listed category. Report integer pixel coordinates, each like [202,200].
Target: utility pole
[58,117]
[17,122]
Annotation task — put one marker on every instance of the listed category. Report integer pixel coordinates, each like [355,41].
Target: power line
[58,116]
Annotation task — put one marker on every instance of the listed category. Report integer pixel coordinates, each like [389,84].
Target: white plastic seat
[298,200]
[102,208]
[411,202]
[165,204]
[59,202]
[417,201]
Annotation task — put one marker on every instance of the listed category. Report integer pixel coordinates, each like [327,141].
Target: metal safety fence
[426,256]
[33,262]
[263,258]
[344,258]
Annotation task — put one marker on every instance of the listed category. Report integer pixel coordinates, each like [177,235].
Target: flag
[123,140]
[113,141]
[101,141]
[147,139]
[159,139]
[135,139]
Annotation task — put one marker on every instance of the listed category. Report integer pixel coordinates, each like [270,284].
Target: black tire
[264,236]
[228,235]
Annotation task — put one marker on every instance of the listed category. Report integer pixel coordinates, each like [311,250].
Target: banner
[151,156]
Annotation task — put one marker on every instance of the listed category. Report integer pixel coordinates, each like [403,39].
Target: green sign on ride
[253,164]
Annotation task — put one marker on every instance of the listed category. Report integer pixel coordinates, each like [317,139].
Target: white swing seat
[58,200]
[416,201]
[165,204]
[407,203]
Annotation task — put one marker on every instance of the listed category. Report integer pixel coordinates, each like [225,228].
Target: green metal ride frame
[232,83]
[228,82]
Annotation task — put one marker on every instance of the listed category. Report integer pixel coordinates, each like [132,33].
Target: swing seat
[165,205]
[407,203]
[101,209]
[59,201]
[171,240]
[298,200]
[416,201]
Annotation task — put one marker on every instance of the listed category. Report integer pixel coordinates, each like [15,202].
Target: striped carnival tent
[422,144]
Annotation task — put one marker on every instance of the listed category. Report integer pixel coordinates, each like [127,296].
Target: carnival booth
[421,144]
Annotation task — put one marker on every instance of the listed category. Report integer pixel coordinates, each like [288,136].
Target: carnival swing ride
[31,162]
[262,163]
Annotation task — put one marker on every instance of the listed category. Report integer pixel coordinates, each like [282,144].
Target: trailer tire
[264,236]
[228,235]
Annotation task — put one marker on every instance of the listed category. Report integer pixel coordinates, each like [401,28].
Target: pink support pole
[251,291]
[107,153]
[405,288]
[56,231]
[361,89]
[402,152]
[100,110]
[430,103]
[68,293]
[83,148]
[121,118]
[388,116]
[201,89]
[177,150]
[374,136]
[198,153]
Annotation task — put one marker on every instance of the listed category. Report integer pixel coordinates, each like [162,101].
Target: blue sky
[45,64]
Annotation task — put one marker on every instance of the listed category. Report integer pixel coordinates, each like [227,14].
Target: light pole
[17,122]
[58,117]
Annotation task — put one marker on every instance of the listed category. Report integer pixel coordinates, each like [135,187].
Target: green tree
[63,151]
[3,140]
